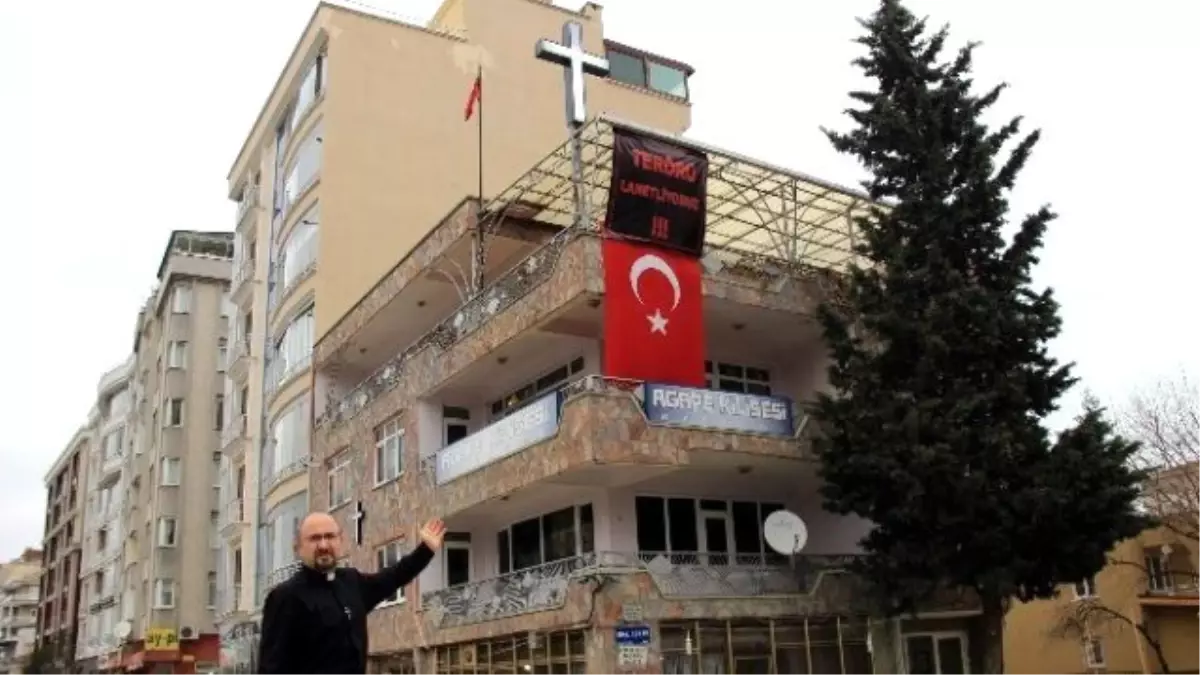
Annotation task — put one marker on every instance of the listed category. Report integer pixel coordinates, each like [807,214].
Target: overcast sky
[123,117]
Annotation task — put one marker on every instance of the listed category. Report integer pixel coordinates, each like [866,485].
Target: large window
[164,593]
[710,529]
[736,378]
[170,471]
[554,536]
[279,533]
[385,556]
[304,169]
[938,653]
[341,481]
[294,349]
[519,397]
[299,250]
[643,70]
[310,88]
[289,442]
[389,451]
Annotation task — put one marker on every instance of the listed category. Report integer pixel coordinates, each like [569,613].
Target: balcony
[111,462]
[232,514]
[229,601]
[596,431]
[234,432]
[237,362]
[245,206]
[242,282]
[820,580]
[274,578]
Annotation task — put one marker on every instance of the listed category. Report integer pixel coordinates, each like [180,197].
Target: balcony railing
[505,291]
[248,202]
[232,514]
[234,431]
[243,272]
[274,578]
[239,349]
[280,372]
[677,575]
[111,461]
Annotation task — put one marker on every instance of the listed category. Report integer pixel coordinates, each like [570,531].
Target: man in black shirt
[316,621]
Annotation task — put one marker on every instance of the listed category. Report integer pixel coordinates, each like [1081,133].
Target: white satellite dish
[785,532]
[122,629]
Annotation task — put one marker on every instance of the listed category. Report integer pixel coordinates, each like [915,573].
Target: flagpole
[480,256]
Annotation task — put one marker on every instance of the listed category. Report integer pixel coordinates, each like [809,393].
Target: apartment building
[169,513]
[19,581]
[342,174]
[1140,614]
[58,599]
[449,354]
[103,539]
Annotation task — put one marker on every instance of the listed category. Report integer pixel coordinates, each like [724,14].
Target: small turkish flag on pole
[653,314]
[474,97]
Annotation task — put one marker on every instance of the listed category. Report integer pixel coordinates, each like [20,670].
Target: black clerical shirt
[316,622]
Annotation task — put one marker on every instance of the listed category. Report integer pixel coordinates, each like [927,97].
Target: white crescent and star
[649,262]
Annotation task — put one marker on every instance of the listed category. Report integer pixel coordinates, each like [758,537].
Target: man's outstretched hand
[432,533]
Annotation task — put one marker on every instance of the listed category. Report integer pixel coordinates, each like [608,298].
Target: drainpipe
[263,429]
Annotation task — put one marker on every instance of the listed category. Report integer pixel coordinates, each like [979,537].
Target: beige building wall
[172,507]
[59,598]
[1090,627]
[321,221]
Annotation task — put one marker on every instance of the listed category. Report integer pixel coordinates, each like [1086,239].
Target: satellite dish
[122,630]
[785,532]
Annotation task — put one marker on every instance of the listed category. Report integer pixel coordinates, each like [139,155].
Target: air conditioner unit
[188,633]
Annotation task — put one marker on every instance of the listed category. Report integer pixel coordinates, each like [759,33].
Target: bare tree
[1166,421]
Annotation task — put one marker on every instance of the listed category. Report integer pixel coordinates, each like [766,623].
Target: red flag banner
[473,98]
[653,314]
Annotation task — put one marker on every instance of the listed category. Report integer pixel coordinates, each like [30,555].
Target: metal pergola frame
[759,216]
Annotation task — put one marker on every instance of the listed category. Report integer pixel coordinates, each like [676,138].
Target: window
[739,379]
[385,556]
[456,558]
[176,354]
[310,88]
[164,594]
[294,348]
[1093,652]
[455,421]
[212,590]
[219,412]
[181,299]
[648,72]
[389,451]
[552,380]
[340,481]
[167,531]
[175,412]
[562,534]
[938,653]
[299,250]
[305,166]
[712,528]
[1158,571]
[222,354]
[1085,589]
[290,436]
[170,472]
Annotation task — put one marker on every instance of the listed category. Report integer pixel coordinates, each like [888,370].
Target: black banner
[658,192]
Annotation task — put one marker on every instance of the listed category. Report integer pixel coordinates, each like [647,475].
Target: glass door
[715,532]
[938,653]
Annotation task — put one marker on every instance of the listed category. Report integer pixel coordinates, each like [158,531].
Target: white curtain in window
[283,521]
[304,169]
[300,248]
[306,95]
[295,347]
[290,436]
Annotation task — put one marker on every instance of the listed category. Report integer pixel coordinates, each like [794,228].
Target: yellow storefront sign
[162,640]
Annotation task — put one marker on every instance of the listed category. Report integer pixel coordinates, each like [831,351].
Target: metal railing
[232,513]
[680,575]
[501,294]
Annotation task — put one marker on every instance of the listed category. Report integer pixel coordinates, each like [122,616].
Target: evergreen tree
[939,356]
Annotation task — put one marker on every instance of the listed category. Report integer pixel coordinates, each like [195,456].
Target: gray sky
[124,116]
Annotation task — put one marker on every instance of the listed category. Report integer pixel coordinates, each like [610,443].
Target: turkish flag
[653,314]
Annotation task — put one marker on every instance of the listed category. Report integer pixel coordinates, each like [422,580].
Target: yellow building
[1102,625]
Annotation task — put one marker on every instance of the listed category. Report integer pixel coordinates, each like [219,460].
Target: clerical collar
[330,575]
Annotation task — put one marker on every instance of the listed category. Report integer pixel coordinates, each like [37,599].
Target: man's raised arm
[379,586]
